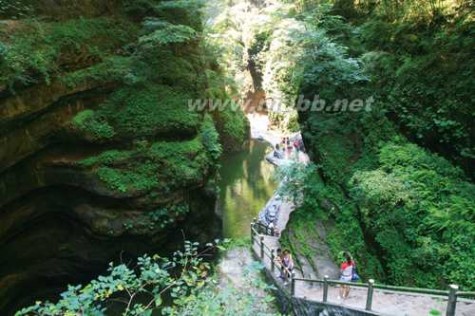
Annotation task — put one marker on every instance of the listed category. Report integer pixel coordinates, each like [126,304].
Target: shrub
[137,290]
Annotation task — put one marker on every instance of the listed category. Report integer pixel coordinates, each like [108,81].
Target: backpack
[354,276]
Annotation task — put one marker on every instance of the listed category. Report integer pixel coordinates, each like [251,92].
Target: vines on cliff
[404,212]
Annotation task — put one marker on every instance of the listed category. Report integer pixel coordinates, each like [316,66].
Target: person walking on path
[277,153]
[346,274]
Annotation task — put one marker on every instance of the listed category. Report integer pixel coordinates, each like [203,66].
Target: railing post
[272,263]
[262,247]
[253,224]
[452,302]
[292,284]
[325,288]
[369,298]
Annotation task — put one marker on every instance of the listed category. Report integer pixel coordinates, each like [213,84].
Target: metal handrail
[309,280]
[412,290]
[464,293]
[270,252]
[337,282]
[264,228]
[267,248]
[387,287]
[383,287]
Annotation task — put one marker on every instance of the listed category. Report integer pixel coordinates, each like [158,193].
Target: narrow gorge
[132,141]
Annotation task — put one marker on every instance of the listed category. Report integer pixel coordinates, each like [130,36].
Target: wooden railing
[452,295]
[264,229]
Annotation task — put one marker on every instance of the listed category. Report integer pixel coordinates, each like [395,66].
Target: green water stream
[246,185]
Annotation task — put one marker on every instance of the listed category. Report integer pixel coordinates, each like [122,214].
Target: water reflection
[245,186]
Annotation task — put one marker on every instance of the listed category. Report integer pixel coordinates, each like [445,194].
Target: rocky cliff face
[100,157]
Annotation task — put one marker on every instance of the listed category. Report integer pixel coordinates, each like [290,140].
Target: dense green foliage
[34,51]
[181,285]
[165,165]
[158,67]
[429,231]
[404,212]
[148,111]
[436,108]
[165,69]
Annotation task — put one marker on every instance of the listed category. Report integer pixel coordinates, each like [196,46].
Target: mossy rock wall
[96,133]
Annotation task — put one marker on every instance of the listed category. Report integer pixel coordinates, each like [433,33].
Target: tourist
[284,141]
[297,145]
[272,229]
[287,265]
[346,274]
[296,148]
[277,153]
[288,148]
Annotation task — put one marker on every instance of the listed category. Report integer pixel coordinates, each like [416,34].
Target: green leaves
[419,208]
[92,125]
[210,138]
[39,50]
[163,33]
[136,290]
[414,209]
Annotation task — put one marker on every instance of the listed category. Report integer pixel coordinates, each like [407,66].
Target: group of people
[284,260]
[348,271]
[287,146]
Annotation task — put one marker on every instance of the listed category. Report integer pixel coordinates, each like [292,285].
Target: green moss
[420,212]
[167,33]
[232,126]
[336,152]
[393,156]
[150,110]
[166,215]
[108,158]
[88,122]
[114,68]
[38,50]
[182,67]
[144,111]
[162,166]
[210,138]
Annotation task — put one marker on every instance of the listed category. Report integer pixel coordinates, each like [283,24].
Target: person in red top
[346,274]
